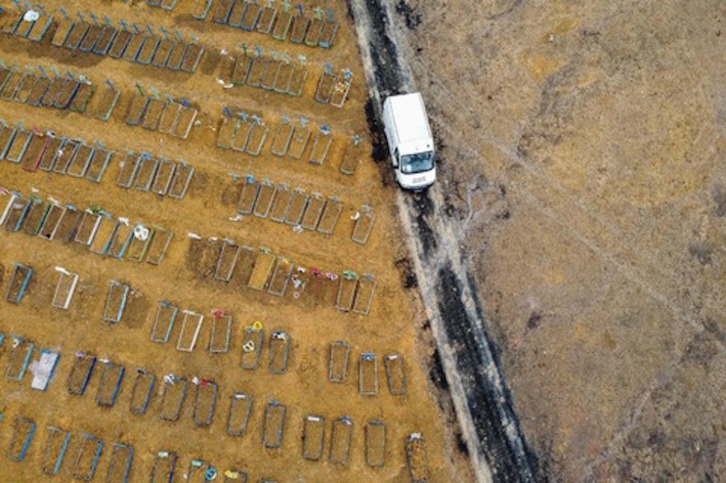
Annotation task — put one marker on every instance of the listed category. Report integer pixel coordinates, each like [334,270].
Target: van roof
[409,117]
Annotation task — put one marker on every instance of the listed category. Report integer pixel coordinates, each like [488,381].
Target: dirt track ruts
[469,358]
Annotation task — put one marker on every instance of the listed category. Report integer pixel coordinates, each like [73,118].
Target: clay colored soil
[275,269]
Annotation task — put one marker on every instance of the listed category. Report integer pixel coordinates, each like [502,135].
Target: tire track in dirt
[470,360]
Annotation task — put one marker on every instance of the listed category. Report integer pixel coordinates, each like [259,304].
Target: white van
[409,140]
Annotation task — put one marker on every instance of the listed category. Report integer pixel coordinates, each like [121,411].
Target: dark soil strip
[488,399]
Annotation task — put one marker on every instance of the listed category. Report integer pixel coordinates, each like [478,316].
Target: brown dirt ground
[582,152]
[312,321]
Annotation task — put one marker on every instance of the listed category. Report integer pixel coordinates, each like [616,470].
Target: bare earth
[582,149]
[185,276]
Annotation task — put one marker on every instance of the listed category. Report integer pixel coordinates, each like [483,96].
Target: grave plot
[51,221]
[152,116]
[17,148]
[175,389]
[364,220]
[103,235]
[375,443]
[50,154]
[192,57]
[266,20]
[347,288]
[296,208]
[19,281]
[261,271]
[248,195]
[16,212]
[119,467]
[300,26]
[313,437]
[55,449]
[368,374]
[280,203]
[44,369]
[142,391]
[282,138]
[164,176]
[107,102]
[34,216]
[81,373]
[7,136]
[178,52]
[416,458]
[64,289]
[251,347]
[116,299]
[274,425]
[111,379]
[158,245]
[137,109]
[166,314]
[20,354]
[68,224]
[364,294]
[279,351]
[340,440]
[164,467]
[313,211]
[338,361]
[282,26]
[280,277]
[330,216]
[38,92]
[35,150]
[163,52]
[147,49]
[139,243]
[395,374]
[221,333]
[81,160]
[236,14]
[133,48]
[189,333]
[228,254]
[241,70]
[239,414]
[23,432]
[120,240]
[205,402]
[299,141]
[181,180]
[87,456]
[64,155]
[321,145]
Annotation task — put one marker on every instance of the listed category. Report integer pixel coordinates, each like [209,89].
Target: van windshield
[417,163]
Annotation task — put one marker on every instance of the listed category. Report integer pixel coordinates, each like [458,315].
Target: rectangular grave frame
[137,109]
[318,154]
[143,380]
[248,196]
[364,294]
[257,337]
[81,159]
[205,420]
[345,298]
[247,409]
[118,449]
[298,143]
[313,212]
[35,216]
[260,276]
[282,26]
[363,225]
[53,433]
[81,359]
[280,277]
[256,141]
[164,176]
[328,35]
[330,216]
[279,352]
[164,304]
[123,239]
[174,416]
[368,362]
[104,235]
[310,423]
[296,209]
[146,168]
[155,258]
[214,346]
[266,20]
[19,281]
[77,471]
[113,375]
[109,99]
[373,426]
[262,205]
[64,155]
[117,314]
[225,267]
[140,253]
[277,432]
[337,374]
[394,362]
[281,151]
[315,31]
[180,193]
[16,158]
[48,228]
[152,116]
[188,315]
[65,288]
[105,40]
[280,203]
[16,212]
[19,443]
[161,456]
[99,163]
[16,355]
[342,431]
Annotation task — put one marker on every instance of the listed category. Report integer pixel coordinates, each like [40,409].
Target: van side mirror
[394,158]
